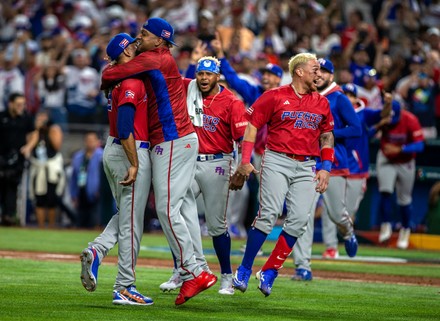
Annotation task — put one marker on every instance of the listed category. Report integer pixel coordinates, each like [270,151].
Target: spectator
[325,41]
[15,127]
[11,80]
[47,178]
[85,181]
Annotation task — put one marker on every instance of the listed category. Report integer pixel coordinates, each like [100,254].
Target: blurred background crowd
[53,51]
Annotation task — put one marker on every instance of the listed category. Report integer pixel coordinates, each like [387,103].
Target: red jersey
[168,117]
[406,131]
[224,121]
[130,91]
[294,124]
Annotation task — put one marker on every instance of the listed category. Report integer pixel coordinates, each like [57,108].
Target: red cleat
[193,287]
[330,253]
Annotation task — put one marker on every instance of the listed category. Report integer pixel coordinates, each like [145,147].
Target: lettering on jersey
[129,94]
[158,150]
[109,102]
[241,124]
[198,110]
[302,119]
[210,123]
[219,170]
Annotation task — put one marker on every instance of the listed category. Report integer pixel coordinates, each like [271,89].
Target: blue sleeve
[372,117]
[249,92]
[416,147]
[125,120]
[191,72]
[346,111]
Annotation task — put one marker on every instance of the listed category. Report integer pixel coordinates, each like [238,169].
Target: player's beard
[209,91]
[324,85]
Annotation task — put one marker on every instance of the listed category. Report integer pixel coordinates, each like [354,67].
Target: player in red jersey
[300,128]
[396,168]
[174,145]
[128,169]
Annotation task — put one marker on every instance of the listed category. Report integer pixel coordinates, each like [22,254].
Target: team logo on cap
[124,43]
[165,34]
[321,61]
[207,63]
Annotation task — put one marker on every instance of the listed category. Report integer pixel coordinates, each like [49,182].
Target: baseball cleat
[89,268]
[266,280]
[302,275]
[351,246]
[403,240]
[241,278]
[226,284]
[130,296]
[193,287]
[330,253]
[385,232]
[174,283]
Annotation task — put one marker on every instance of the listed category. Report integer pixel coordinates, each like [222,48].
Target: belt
[299,158]
[207,157]
[145,145]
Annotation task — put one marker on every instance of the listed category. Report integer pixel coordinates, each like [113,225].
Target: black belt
[145,145]
[207,157]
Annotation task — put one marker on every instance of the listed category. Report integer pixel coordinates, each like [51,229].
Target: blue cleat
[302,275]
[266,280]
[241,278]
[351,246]
[130,296]
[89,268]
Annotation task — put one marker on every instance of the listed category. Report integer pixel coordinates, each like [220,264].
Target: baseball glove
[237,181]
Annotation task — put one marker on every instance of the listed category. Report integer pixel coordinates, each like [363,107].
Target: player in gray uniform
[128,169]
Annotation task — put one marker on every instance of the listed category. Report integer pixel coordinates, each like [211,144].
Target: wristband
[327,165]
[328,153]
[246,151]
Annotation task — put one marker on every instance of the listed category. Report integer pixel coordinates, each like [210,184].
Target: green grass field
[43,290]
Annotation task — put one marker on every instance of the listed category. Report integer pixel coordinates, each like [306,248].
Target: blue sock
[222,247]
[386,206]
[254,242]
[405,212]
[290,240]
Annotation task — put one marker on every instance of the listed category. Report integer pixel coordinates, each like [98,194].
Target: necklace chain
[212,99]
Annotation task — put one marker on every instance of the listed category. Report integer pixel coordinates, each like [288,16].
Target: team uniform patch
[124,43]
[165,34]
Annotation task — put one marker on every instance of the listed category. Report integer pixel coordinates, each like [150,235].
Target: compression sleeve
[416,147]
[125,120]
[191,72]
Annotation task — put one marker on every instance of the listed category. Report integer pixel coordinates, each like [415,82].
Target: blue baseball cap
[160,28]
[350,88]
[326,65]
[395,112]
[118,44]
[206,64]
[273,69]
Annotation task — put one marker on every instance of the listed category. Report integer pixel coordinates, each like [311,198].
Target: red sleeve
[238,119]
[143,62]
[261,110]
[327,124]
[415,128]
[129,92]
[186,82]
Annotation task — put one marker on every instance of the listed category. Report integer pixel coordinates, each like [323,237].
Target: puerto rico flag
[129,94]
[165,34]
[124,43]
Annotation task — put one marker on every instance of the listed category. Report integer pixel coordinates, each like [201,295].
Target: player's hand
[130,178]
[241,175]
[216,45]
[322,177]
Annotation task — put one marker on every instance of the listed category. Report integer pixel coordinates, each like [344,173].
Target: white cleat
[226,287]
[174,283]
[385,232]
[403,240]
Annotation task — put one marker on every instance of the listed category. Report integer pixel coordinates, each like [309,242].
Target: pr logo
[158,150]
[220,170]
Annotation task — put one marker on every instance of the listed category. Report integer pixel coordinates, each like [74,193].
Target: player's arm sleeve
[327,123]
[125,120]
[346,111]
[416,147]
[238,120]
[191,71]
[139,65]
[249,92]
[261,110]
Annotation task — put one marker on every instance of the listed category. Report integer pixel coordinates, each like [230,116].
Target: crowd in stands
[54,51]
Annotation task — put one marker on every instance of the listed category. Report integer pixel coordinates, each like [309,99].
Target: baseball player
[358,163]
[346,125]
[299,123]
[128,169]
[395,165]
[174,145]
